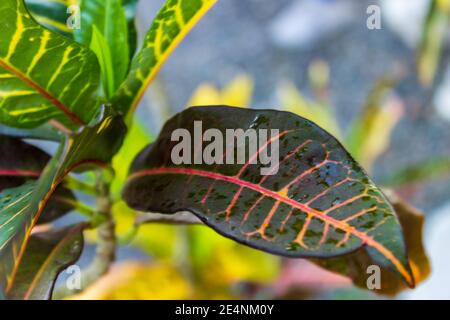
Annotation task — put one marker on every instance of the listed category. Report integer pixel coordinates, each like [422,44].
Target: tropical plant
[80,88]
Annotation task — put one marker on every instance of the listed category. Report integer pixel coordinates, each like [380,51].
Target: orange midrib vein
[47,95]
[279,197]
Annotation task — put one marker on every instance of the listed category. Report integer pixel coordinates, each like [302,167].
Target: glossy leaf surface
[21,207]
[44,76]
[175,19]
[320,202]
[47,254]
[355,265]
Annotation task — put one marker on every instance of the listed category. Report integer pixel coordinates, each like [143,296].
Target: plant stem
[106,242]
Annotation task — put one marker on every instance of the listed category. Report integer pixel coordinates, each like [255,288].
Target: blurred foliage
[433,37]
[139,281]
[237,93]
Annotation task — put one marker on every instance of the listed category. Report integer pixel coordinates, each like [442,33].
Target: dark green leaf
[355,265]
[22,162]
[47,254]
[320,203]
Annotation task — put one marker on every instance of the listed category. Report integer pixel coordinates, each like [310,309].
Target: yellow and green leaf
[173,22]
[44,76]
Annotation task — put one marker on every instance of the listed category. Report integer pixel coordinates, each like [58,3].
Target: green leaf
[355,264]
[108,18]
[22,162]
[44,76]
[48,253]
[19,162]
[51,14]
[101,49]
[20,208]
[320,202]
[173,22]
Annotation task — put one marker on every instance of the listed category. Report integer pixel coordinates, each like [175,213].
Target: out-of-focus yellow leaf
[139,281]
[369,135]
[435,29]
[378,140]
[237,93]
[220,261]
[205,94]
[292,100]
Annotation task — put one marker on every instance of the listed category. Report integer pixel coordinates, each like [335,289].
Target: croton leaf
[175,19]
[21,207]
[108,17]
[356,264]
[47,254]
[44,75]
[22,162]
[318,202]
[52,14]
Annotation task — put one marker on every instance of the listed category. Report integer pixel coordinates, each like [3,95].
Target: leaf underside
[320,203]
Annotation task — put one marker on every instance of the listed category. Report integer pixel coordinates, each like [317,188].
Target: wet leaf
[47,254]
[355,264]
[44,75]
[318,202]
[173,22]
[21,207]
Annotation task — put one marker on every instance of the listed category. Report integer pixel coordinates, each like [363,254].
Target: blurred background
[385,93]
